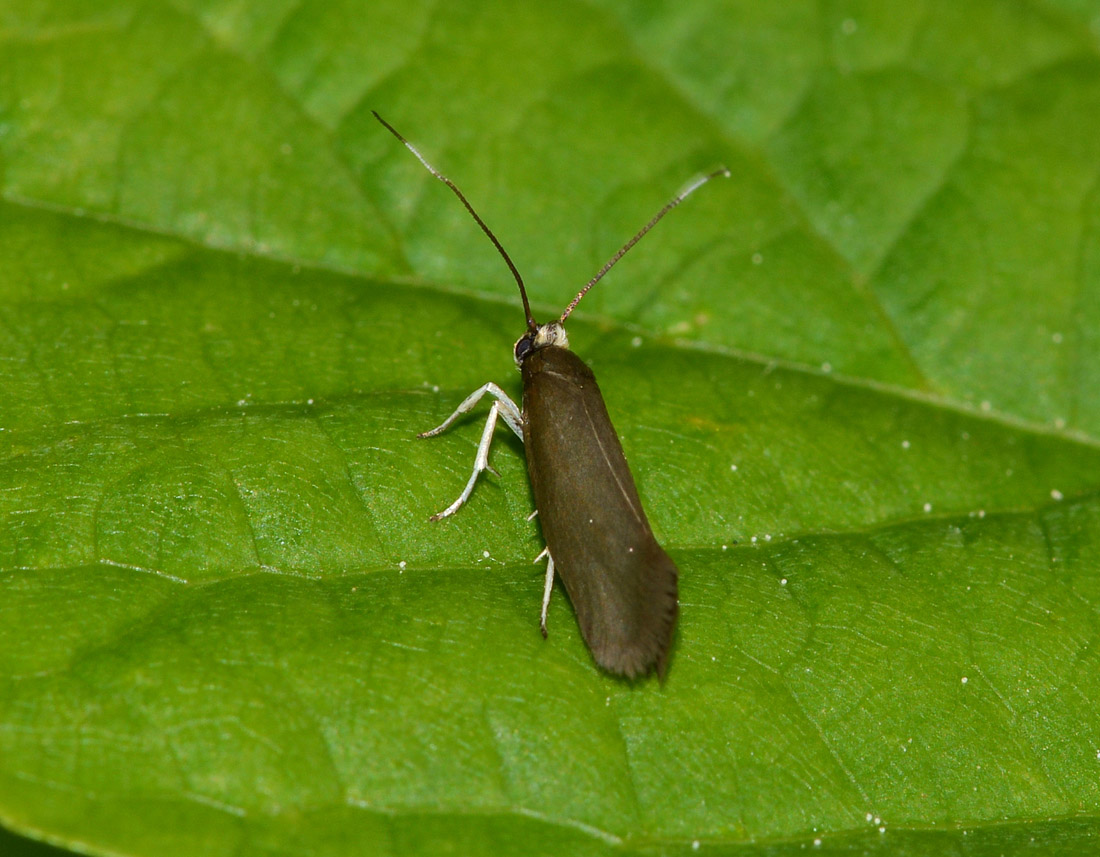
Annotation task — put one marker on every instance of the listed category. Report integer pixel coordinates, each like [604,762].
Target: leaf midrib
[602,322]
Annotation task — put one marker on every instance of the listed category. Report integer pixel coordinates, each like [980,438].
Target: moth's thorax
[551,333]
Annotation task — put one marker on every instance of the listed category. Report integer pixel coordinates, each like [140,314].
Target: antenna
[671,204]
[531,323]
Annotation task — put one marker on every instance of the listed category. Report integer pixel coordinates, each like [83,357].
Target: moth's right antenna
[671,204]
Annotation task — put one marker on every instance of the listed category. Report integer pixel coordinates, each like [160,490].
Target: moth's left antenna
[531,323]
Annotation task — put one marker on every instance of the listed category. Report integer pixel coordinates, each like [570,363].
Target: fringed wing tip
[652,651]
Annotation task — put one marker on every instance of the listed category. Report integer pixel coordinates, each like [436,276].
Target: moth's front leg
[503,407]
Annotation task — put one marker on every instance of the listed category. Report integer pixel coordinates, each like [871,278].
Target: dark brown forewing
[622,584]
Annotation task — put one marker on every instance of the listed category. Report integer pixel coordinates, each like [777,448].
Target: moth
[622,584]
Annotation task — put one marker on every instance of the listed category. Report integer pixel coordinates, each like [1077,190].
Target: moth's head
[551,333]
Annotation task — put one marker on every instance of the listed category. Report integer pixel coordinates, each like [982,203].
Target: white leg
[513,418]
[547,587]
[481,462]
[508,409]
[503,407]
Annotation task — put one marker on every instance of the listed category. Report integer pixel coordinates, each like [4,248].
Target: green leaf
[858,384]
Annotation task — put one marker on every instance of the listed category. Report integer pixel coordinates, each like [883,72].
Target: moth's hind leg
[547,587]
[503,407]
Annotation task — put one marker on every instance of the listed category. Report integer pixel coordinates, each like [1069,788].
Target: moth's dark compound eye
[524,346]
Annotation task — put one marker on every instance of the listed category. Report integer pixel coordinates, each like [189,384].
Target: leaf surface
[858,384]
